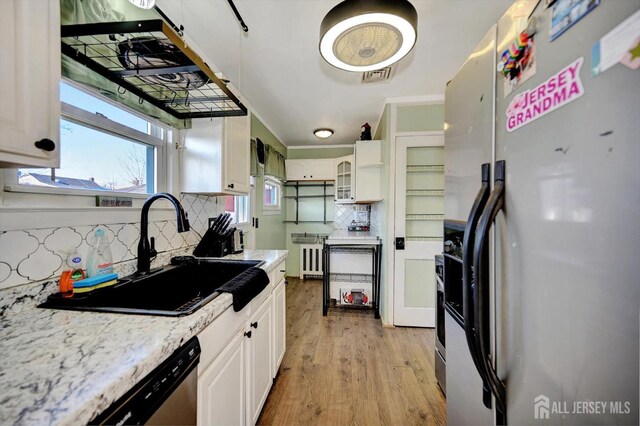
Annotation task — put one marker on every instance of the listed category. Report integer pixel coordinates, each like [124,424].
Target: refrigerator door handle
[482,299]
[467,278]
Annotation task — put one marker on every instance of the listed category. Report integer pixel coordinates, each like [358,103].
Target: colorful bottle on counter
[99,260]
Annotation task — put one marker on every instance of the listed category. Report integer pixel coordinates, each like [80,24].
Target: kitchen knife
[218,227]
[226,224]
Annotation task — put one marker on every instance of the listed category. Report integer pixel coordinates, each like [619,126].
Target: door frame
[388,261]
[398,287]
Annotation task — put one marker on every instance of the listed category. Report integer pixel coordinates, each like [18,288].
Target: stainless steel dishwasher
[166,396]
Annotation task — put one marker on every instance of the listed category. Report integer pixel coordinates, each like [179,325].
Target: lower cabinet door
[259,354]
[221,388]
[279,325]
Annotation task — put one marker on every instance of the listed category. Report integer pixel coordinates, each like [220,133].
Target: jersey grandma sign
[560,89]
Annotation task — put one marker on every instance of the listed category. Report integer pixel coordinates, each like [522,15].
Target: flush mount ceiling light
[366,35]
[323,133]
[143,4]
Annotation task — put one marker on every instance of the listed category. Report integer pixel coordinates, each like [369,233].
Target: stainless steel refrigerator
[543,241]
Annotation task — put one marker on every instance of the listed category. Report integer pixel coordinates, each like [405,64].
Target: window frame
[236,206]
[101,123]
[269,209]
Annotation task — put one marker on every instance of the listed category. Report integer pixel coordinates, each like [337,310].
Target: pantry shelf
[424,217]
[424,238]
[425,168]
[425,192]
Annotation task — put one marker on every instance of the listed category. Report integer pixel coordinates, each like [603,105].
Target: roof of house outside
[60,182]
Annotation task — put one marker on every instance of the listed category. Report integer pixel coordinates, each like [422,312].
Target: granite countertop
[65,367]
[343,234]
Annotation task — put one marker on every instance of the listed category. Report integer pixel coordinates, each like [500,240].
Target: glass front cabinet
[345,179]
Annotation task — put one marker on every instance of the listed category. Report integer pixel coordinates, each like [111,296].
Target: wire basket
[308,238]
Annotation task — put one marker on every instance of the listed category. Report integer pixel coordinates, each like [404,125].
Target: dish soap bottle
[99,260]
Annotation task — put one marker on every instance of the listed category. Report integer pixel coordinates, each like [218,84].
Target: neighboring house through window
[104,147]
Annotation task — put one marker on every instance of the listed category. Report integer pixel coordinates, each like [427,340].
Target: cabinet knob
[230,186]
[305,176]
[248,334]
[254,324]
[45,144]
[311,176]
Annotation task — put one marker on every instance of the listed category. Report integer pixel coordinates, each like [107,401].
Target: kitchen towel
[246,286]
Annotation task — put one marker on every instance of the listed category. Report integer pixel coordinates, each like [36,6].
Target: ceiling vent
[377,76]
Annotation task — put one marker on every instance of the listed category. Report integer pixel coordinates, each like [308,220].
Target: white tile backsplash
[39,254]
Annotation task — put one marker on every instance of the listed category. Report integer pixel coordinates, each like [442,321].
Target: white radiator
[310,260]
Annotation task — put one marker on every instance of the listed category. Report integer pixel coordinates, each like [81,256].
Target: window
[272,194]
[238,207]
[103,147]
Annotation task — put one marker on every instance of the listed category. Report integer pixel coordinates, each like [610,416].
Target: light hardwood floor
[346,369]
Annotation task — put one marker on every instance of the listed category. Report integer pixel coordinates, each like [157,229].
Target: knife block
[212,245]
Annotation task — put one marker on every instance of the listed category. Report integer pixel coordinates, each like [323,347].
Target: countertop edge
[82,399]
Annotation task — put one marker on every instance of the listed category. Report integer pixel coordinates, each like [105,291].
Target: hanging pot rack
[149,59]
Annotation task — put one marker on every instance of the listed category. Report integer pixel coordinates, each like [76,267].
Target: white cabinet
[368,173]
[258,346]
[215,156]
[321,169]
[29,81]
[236,154]
[279,325]
[344,179]
[221,388]
[241,352]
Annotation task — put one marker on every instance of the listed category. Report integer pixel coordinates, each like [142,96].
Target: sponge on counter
[95,287]
[93,283]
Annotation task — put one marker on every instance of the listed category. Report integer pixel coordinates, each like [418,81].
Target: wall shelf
[298,198]
[300,184]
[307,221]
[307,196]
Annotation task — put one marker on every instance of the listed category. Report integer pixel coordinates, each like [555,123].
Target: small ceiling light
[366,35]
[323,133]
[143,4]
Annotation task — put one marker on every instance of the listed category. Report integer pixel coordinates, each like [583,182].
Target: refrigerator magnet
[620,45]
[518,62]
[565,13]
[561,88]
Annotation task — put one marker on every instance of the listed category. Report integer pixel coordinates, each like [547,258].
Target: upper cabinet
[344,179]
[29,79]
[310,169]
[215,158]
[368,173]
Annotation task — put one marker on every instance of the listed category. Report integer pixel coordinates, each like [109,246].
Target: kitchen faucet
[145,250]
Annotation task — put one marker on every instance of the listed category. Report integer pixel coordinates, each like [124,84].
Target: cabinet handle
[230,186]
[254,325]
[248,334]
[45,144]
[282,270]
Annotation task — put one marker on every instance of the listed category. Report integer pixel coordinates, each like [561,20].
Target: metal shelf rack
[298,185]
[373,278]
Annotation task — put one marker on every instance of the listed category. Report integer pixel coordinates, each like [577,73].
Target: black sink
[179,289]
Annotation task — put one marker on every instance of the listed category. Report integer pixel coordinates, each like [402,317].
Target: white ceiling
[278,69]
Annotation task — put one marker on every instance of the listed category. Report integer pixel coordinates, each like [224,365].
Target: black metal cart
[376,252]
